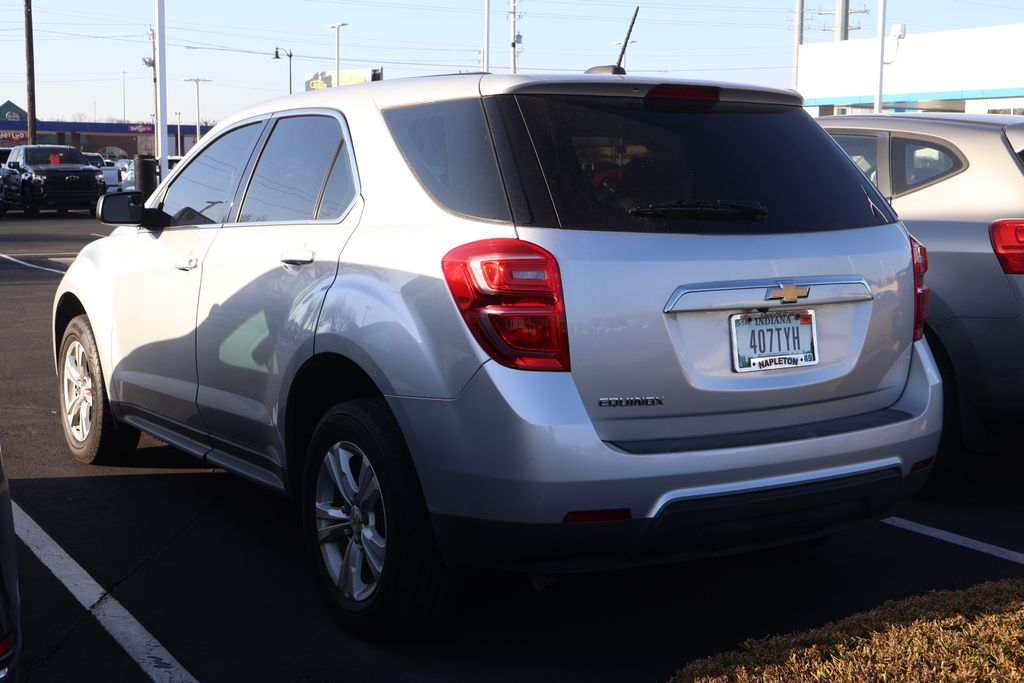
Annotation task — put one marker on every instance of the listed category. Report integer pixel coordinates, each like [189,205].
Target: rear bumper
[683,529]
[516,452]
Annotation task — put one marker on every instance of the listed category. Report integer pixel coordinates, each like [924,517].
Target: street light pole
[197,81]
[124,89]
[177,146]
[486,57]
[277,55]
[337,50]
[881,55]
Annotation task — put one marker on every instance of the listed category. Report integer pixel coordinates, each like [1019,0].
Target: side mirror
[127,208]
[14,165]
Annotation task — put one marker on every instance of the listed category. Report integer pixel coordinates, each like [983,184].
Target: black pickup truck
[38,177]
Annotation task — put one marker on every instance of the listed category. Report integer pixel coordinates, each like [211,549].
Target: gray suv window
[202,192]
[290,173]
[916,163]
[863,150]
[448,146]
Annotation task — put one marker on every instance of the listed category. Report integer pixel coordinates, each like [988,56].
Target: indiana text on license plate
[772,341]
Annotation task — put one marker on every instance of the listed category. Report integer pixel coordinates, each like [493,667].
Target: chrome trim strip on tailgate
[718,296]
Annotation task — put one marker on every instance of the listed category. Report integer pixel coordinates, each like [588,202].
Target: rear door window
[863,150]
[917,163]
[626,164]
[448,147]
[290,173]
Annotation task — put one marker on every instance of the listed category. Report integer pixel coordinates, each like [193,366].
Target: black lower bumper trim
[816,430]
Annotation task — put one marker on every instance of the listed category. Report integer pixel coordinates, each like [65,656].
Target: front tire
[365,523]
[90,431]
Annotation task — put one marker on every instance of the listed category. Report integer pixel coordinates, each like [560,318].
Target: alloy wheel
[350,520]
[77,391]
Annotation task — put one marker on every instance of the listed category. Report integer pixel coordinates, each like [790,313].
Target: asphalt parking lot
[212,568]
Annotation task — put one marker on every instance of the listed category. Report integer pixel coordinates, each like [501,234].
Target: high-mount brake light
[919,255]
[510,295]
[692,93]
[1008,242]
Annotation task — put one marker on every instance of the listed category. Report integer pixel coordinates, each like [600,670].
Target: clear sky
[83,48]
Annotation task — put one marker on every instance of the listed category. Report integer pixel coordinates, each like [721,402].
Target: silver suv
[531,323]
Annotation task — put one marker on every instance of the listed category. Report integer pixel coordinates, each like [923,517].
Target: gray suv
[505,321]
[957,181]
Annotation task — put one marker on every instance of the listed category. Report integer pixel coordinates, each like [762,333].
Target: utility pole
[515,39]
[798,40]
[124,100]
[151,63]
[842,26]
[881,55]
[177,146]
[161,91]
[30,73]
[486,54]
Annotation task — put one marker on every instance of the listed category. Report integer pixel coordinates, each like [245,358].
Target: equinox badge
[631,401]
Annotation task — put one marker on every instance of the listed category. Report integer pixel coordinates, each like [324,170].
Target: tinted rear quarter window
[604,157]
[448,147]
[863,150]
[917,163]
[290,173]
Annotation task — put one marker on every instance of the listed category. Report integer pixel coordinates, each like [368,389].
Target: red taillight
[510,294]
[694,93]
[1008,242]
[922,464]
[920,257]
[118,175]
[6,644]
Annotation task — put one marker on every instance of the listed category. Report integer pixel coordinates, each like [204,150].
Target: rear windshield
[54,156]
[625,164]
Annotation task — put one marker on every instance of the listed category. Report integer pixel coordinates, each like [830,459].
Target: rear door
[725,267]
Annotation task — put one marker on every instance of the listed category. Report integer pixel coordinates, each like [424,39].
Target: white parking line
[956,539]
[47,254]
[140,645]
[29,265]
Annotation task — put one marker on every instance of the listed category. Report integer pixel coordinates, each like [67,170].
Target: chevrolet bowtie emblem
[788,292]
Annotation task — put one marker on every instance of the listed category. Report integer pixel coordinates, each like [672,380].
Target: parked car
[111,174]
[5,152]
[39,177]
[957,181]
[10,603]
[408,305]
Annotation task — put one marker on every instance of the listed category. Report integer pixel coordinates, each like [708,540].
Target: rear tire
[28,206]
[366,526]
[90,431]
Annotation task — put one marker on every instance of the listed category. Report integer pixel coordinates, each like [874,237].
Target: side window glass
[290,173]
[202,193]
[341,188]
[916,163]
[863,149]
[448,147]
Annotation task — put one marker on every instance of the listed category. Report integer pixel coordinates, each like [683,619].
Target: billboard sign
[325,79]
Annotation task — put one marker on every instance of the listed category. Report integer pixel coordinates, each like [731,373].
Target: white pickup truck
[111,174]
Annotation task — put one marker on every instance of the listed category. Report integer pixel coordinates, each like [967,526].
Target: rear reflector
[1008,242]
[919,256]
[6,643]
[921,464]
[615,515]
[510,294]
[693,93]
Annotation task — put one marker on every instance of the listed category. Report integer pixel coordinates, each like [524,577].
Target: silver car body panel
[975,308]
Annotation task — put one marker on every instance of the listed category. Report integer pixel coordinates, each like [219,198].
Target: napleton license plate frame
[781,361]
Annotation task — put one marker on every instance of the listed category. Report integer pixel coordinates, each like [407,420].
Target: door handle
[297,257]
[186,264]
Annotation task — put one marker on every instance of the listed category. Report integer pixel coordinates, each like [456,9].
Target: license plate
[773,341]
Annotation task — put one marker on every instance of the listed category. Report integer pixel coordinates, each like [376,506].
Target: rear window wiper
[716,210]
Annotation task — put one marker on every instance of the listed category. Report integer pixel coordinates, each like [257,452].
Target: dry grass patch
[971,635]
